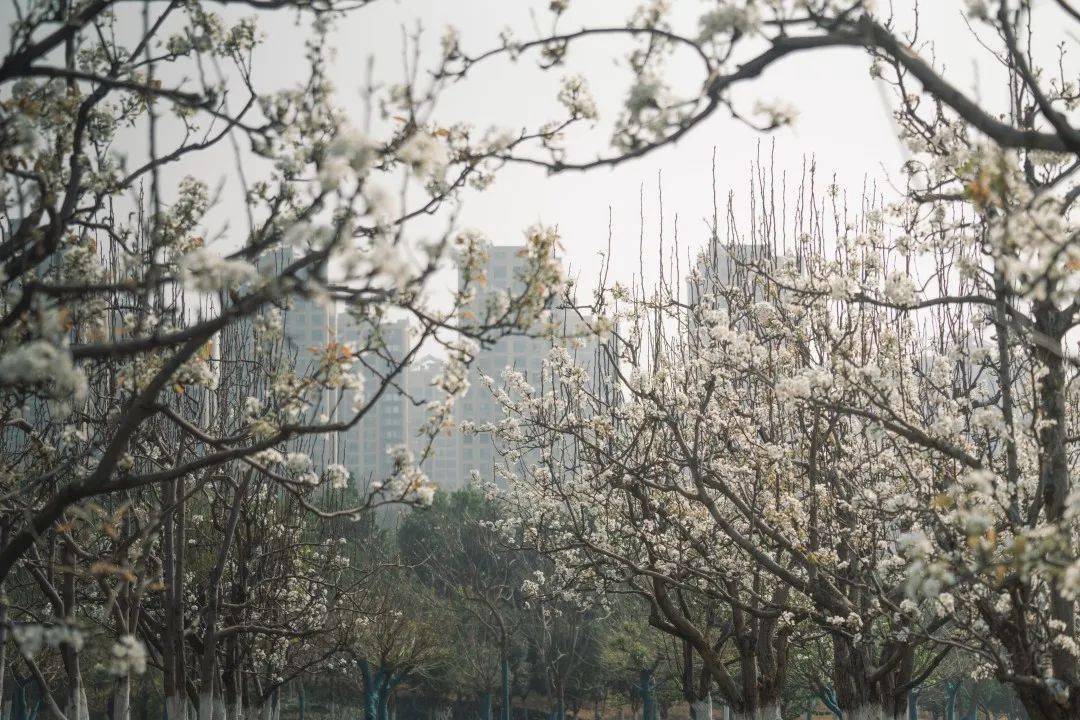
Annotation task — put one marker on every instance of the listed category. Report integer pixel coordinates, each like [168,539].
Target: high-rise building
[365,447]
[504,270]
[725,266]
[308,325]
[442,464]
[400,415]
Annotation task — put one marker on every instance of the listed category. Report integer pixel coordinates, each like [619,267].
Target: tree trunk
[172,571]
[504,711]
[206,700]
[766,712]
[372,686]
[384,704]
[121,698]
[175,707]
[1041,705]
[1055,482]
[858,697]
[77,708]
[701,709]
[18,699]
[829,698]
[870,712]
[144,700]
[371,704]
[645,687]
[951,688]
[208,661]
[3,633]
[913,704]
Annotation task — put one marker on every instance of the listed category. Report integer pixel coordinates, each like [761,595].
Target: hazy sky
[844,122]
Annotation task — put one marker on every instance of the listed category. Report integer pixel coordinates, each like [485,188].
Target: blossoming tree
[883,424]
[142,366]
[872,438]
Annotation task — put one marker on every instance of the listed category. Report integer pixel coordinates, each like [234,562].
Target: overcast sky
[844,120]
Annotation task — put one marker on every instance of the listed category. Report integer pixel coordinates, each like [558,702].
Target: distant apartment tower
[400,414]
[364,448]
[442,465]
[723,267]
[308,325]
[504,270]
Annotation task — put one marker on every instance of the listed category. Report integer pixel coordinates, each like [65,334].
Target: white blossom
[777,112]
[727,19]
[425,154]
[338,476]
[297,462]
[45,367]
[128,656]
[901,289]
[206,271]
[575,97]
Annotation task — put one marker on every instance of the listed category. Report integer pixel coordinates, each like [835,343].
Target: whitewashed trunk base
[701,709]
[206,706]
[176,707]
[867,712]
[77,708]
[769,712]
[121,706]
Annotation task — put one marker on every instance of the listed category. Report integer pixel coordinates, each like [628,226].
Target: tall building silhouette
[365,448]
[442,465]
[400,415]
[723,267]
[505,267]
